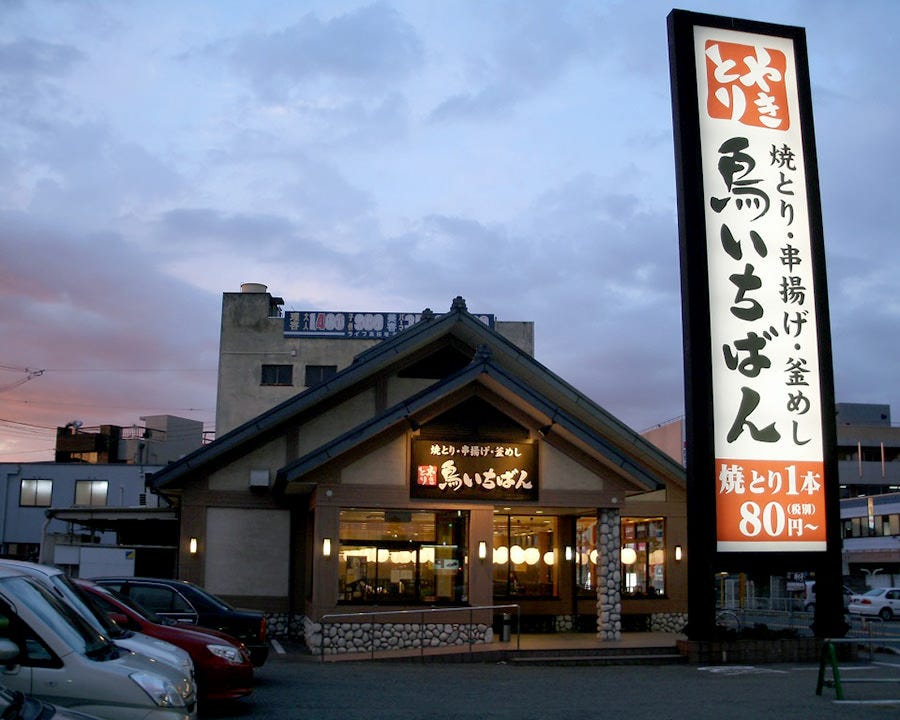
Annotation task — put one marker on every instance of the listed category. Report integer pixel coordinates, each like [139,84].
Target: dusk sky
[389,156]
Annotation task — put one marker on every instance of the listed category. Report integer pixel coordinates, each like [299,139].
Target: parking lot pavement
[295,685]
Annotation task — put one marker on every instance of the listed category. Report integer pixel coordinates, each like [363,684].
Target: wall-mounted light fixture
[678,552]
[628,556]
[326,547]
[482,550]
[568,553]
[192,546]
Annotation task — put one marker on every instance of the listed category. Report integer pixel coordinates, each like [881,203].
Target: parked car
[15,705]
[883,602]
[190,604]
[58,582]
[222,664]
[809,596]
[51,652]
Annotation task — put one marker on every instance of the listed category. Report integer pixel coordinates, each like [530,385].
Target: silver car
[49,651]
[57,581]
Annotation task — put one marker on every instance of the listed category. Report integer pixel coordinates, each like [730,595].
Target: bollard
[505,627]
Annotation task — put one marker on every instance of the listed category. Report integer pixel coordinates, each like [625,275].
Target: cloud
[105,324]
[533,47]
[366,48]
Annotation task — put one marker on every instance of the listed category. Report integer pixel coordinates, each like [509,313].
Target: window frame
[325,373]
[36,493]
[271,375]
[92,493]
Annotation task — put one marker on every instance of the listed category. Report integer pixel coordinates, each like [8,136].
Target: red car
[221,663]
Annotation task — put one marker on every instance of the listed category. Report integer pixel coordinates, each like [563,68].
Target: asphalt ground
[297,685]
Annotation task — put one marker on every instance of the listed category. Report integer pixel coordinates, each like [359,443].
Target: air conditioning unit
[259,478]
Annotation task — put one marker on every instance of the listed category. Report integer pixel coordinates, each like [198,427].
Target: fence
[829,660]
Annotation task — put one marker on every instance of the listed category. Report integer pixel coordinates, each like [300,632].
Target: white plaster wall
[385,466]
[560,472]
[247,551]
[236,475]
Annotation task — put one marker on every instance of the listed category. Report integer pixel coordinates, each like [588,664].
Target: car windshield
[66,622]
[874,593]
[83,604]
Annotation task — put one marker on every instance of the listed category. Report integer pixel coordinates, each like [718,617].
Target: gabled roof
[485,371]
[508,366]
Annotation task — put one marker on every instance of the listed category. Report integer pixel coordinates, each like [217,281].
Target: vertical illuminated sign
[749,213]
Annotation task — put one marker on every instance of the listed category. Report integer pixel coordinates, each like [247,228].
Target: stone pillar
[609,576]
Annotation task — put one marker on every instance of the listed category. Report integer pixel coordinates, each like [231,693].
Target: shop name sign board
[316,323]
[473,471]
[754,212]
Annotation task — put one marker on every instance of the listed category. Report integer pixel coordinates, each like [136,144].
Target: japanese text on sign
[474,470]
[767,404]
[353,324]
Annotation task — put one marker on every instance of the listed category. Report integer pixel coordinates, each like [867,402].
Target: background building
[93,513]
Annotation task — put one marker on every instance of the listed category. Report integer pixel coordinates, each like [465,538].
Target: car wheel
[885,613]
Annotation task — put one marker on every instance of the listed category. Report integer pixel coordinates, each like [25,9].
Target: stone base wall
[668,622]
[283,626]
[338,638]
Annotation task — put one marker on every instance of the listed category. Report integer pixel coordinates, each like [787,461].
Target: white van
[49,651]
[57,581]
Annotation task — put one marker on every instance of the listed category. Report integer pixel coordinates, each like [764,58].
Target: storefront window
[403,556]
[526,556]
[586,554]
[644,569]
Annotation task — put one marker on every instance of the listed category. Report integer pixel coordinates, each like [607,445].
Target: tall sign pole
[762,470]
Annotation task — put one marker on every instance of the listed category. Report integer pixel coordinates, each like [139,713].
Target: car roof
[30,568]
[6,572]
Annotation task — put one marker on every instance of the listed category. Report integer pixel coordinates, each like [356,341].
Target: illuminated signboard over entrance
[454,470]
[751,231]
[315,323]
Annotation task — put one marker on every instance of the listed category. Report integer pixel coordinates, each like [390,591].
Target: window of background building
[277,375]
[91,492]
[317,374]
[646,576]
[526,556]
[35,493]
[403,556]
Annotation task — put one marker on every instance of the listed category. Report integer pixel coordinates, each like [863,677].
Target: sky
[390,156]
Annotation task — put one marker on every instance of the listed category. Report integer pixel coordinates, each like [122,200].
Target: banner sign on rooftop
[315,323]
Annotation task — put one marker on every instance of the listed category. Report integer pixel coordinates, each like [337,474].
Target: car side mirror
[120,619]
[9,651]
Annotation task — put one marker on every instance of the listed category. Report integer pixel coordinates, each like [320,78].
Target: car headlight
[160,690]
[226,652]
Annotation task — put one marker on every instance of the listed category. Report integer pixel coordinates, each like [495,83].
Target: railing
[360,617]
[828,659]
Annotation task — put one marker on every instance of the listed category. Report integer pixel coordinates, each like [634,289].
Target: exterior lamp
[678,552]
[192,546]
[568,553]
[628,556]
[482,550]
[326,547]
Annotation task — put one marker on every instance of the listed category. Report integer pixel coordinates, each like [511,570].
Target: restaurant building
[440,466]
